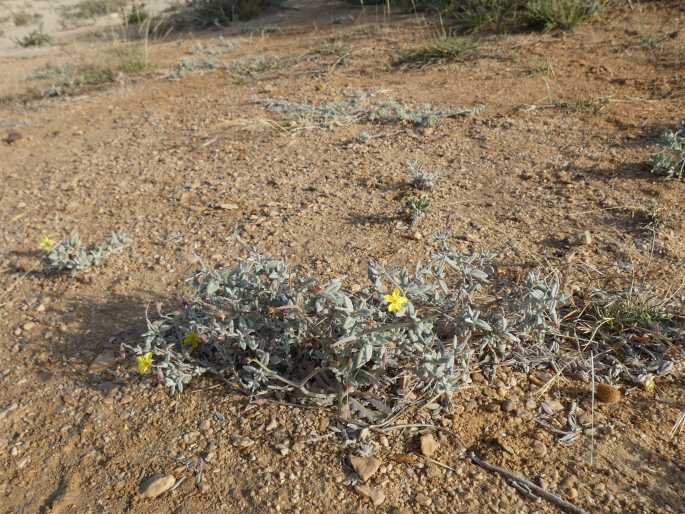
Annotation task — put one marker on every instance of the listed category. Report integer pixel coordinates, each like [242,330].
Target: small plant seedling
[670,161]
[620,311]
[417,207]
[420,177]
[71,255]
[37,37]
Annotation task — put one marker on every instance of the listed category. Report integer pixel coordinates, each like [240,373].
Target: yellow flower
[396,301]
[192,339]
[144,363]
[47,243]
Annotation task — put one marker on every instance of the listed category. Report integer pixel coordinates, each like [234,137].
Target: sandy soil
[560,149]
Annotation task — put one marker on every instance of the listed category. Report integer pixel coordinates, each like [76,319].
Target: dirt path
[569,122]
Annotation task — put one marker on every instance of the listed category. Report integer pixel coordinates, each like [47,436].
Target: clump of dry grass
[441,51]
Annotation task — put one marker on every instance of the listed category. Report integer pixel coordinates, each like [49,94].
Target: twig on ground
[678,425]
[592,415]
[527,484]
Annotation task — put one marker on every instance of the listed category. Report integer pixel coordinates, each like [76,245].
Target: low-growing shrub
[441,51]
[361,109]
[37,37]
[670,161]
[90,9]
[265,327]
[213,13]
[518,15]
[560,14]
[22,18]
[420,177]
[137,14]
[72,255]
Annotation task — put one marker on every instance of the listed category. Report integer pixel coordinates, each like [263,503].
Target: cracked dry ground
[152,157]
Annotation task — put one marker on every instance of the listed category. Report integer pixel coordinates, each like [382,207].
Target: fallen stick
[527,484]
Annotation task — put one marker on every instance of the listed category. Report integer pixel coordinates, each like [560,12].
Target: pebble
[508,405]
[376,496]
[29,325]
[428,445]
[540,448]
[424,500]
[156,486]
[606,393]
[205,425]
[555,405]
[191,437]
[365,467]
[584,238]
[572,493]
[102,362]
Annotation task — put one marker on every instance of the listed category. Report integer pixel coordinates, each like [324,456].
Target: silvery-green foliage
[420,177]
[417,208]
[190,64]
[392,111]
[258,321]
[670,161]
[361,109]
[72,255]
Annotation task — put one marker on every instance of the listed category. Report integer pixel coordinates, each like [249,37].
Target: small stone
[606,393]
[103,361]
[205,425]
[191,437]
[572,493]
[428,445]
[204,487]
[433,471]
[376,496]
[508,405]
[28,326]
[648,385]
[365,467]
[156,486]
[530,404]
[422,499]
[417,236]
[12,137]
[584,238]
[42,358]
[243,442]
[540,448]
[555,405]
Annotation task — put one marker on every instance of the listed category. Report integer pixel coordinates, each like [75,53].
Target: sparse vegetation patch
[670,160]
[362,109]
[72,255]
[440,52]
[199,14]
[37,37]
[517,15]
